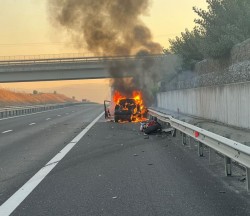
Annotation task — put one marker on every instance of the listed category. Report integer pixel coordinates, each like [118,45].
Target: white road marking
[66,113]
[58,115]
[17,198]
[32,124]
[48,119]
[8,131]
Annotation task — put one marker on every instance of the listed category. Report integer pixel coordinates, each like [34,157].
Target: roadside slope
[9,98]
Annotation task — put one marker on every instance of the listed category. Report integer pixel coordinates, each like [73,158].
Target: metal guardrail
[23,110]
[231,150]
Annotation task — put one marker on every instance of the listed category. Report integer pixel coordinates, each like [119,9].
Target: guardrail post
[248,178]
[184,139]
[200,149]
[173,133]
[228,166]
[211,155]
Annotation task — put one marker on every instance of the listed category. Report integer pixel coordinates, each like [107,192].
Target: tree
[167,51]
[224,24]
[188,47]
[35,92]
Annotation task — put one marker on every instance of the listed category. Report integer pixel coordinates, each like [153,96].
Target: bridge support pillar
[228,166]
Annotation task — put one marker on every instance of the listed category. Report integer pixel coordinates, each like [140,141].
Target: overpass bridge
[62,67]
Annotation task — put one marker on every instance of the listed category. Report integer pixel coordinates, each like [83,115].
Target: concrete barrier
[228,104]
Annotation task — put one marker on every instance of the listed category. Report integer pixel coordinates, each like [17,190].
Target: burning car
[127,109]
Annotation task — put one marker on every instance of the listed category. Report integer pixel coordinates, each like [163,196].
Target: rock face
[211,72]
[241,52]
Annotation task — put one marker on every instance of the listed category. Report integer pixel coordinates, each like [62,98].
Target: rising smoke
[111,27]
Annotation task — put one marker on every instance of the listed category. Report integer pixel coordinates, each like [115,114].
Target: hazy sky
[25,27]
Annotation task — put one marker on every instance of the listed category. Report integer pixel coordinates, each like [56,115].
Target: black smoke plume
[110,27]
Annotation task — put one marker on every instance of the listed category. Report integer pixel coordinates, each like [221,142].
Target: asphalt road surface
[111,170]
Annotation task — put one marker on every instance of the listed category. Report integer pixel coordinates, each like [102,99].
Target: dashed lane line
[8,131]
[32,124]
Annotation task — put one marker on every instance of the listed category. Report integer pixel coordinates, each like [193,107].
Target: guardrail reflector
[196,134]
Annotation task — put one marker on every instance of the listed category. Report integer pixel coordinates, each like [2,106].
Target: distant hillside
[93,90]
[9,98]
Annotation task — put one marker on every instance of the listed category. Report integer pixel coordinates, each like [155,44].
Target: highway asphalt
[27,143]
[113,170]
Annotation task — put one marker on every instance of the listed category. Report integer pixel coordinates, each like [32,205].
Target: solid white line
[8,131]
[17,198]
[32,124]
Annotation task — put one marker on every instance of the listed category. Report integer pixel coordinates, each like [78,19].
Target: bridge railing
[230,149]
[13,111]
[45,56]
[77,57]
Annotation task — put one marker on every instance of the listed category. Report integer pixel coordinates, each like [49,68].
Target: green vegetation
[224,24]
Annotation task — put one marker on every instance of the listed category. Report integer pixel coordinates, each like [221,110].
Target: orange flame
[117,97]
[137,95]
